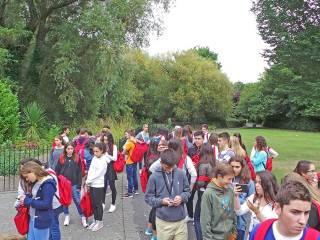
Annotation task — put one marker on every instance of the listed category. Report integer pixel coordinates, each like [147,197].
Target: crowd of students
[238,197]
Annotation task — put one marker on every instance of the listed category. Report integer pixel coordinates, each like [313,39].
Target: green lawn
[292,146]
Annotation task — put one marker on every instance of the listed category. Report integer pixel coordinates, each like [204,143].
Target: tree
[206,53]
[200,91]
[66,54]
[9,113]
[291,85]
[252,105]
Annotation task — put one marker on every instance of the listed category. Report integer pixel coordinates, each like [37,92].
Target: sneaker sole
[95,230]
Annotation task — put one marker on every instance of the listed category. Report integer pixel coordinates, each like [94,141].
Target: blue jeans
[131,170]
[197,212]
[35,233]
[55,229]
[241,234]
[76,200]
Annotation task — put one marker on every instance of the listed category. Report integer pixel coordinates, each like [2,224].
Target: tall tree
[67,53]
[291,85]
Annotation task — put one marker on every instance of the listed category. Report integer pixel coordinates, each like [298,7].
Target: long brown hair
[206,155]
[73,157]
[245,175]
[269,186]
[32,167]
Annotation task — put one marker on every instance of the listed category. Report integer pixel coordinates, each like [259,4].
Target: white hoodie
[97,170]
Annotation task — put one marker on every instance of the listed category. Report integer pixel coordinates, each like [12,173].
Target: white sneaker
[84,222]
[92,225]
[103,206]
[188,219]
[97,226]
[112,208]
[66,220]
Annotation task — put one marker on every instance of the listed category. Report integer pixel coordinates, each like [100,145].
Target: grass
[292,146]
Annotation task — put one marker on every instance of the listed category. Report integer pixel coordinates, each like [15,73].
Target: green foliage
[235,122]
[290,87]
[53,131]
[251,105]
[33,121]
[67,55]
[206,53]
[183,86]
[9,113]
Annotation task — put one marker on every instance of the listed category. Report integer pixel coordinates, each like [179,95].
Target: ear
[277,208]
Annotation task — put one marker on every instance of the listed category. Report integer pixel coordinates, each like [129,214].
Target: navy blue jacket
[42,204]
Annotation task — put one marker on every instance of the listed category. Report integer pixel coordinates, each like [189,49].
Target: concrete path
[128,222]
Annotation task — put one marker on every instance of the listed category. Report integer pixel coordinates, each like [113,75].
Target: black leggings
[96,200]
[112,184]
[190,203]
[152,218]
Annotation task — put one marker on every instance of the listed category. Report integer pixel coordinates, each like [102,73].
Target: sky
[227,27]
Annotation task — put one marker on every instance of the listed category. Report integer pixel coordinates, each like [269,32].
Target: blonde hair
[236,147]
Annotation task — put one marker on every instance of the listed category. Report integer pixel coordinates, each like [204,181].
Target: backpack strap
[312,234]
[53,174]
[263,228]
[182,161]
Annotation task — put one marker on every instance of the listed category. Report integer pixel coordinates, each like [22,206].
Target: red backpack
[80,144]
[251,168]
[264,227]
[144,179]
[138,151]
[269,160]
[82,161]
[119,164]
[65,189]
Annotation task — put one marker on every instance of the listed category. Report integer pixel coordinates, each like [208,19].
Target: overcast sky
[227,27]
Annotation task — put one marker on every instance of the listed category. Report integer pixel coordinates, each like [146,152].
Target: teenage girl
[205,173]
[69,166]
[95,181]
[261,203]
[39,200]
[242,176]
[111,175]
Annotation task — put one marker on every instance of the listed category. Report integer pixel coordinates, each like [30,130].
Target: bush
[235,122]
[34,121]
[9,113]
[303,124]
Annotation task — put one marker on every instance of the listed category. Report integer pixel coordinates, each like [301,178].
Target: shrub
[235,122]
[9,113]
[34,121]
[303,124]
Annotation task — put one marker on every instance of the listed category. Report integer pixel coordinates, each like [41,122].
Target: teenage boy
[168,191]
[225,152]
[194,153]
[217,217]
[293,204]
[131,166]
[206,134]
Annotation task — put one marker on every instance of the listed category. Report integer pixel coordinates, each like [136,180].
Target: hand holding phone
[242,187]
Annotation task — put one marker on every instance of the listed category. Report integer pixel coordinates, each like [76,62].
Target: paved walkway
[128,222]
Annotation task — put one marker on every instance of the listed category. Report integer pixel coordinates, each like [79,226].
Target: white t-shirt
[279,236]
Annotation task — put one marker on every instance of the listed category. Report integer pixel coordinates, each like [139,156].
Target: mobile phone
[244,187]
